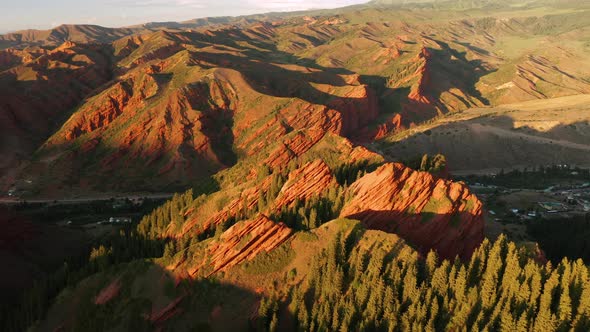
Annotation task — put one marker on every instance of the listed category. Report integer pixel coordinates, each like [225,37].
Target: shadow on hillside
[31,252]
[495,142]
[8,60]
[32,249]
[217,124]
[561,238]
[458,71]
[450,235]
[276,73]
[271,72]
[147,297]
[31,110]
[150,298]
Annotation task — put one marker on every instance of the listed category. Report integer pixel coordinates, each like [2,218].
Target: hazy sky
[44,14]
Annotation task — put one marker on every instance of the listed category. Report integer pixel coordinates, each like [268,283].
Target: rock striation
[305,182]
[244,241]
[429,212]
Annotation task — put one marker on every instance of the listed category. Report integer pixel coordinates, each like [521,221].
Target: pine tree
[313,216]
[565,302]
[274,323]
[431,263]
[545,320]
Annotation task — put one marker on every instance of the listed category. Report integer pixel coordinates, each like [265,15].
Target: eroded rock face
[293,147]
[39,86]
[103,112]
[428,212]
[357,109]
[158,317]
[108,293]
[184,133]
[245,201]
[13,57]
[348,114]
[308,181]
[245,240]
[419,91]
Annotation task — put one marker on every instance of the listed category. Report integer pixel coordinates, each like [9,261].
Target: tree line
[378,289]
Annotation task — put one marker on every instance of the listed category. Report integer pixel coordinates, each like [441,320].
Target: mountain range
[188,102]
[286,136]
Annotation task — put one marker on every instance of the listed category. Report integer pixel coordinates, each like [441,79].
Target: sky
[45,14]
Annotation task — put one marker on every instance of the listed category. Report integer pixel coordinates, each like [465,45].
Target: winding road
[9,201]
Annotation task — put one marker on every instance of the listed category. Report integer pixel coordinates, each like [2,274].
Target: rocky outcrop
[244,241]
[419,90]
[178,134]
[158,53]
[293,147]
[351,154]
[108,293]
[347,113]
[357,109]
[428,212]
[10,58]
[197,222]
[125,46]
[172,309]
[129,94]
[394,123]
[100,113]
[305,182]
[388,54]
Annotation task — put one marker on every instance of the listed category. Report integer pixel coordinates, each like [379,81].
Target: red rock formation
[177,134]
[387,127]
[102,113]
[293,147]
[305,182]
[245,201]
[431,213]
[171,310]
[244,241]
[41,88]
[127,45]
[304,115]
[345,115]
[418,92]
[159,53]
[108,293]
[388,54]
[351,154]
[10,58]
[357,109]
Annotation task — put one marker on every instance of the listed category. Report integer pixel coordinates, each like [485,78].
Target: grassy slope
[524,134]
[223,302]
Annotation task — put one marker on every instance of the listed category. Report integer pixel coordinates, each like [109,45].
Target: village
[511,210]
[97,217]
[118,208]
[527,204]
